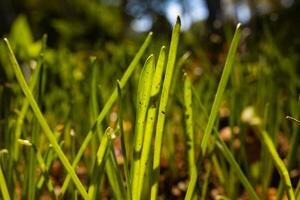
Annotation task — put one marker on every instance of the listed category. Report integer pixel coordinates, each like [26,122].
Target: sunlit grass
[148,111]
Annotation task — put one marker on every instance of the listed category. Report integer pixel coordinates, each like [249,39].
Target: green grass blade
[45,172]
[124,78]
[94,106]
[188,115]
[48,161]
[123,144]
[42,121]
[233,163]
[206,182]
[267,141]
[3,186]
[143,99]
[75,162]
[151,118]
[221,88]
[105,110]
[98,170]
[157,79]
[114,176]
[254,121]
[43,166]
[162,107]
[216,105]
[176,85]
[36,127]
[297,191]
[32,84]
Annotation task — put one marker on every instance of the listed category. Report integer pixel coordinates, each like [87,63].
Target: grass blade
[3,186]
[190,140]
[233,163]
[98,170]
[36,127]
[297,191]
[143,99]
[123,143]
[106,109]
[254,121]
[151,118]
[162,107]
[221,88]
[267,141]
[216,105]
[206,181]
[42,121]
[32,84]
[43,166]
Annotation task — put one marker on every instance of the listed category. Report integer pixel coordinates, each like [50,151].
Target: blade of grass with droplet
[105,110]
[151,118]
[42,164]
[143,99]
[42,120]
[162,107]
[98,169]
[215,108]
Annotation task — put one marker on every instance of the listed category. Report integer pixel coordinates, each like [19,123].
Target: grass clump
[153,117]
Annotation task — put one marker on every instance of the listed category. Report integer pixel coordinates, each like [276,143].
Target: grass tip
[239,25]
[24,142]
[178,21]
[293,119]
[186,55]
[150,58]
[118,82]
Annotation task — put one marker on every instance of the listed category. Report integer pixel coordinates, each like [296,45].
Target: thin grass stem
[162,107]
[143,99]
[42,121]
[234,164]
[188,115]
[3,186]
[98,169]
[215,108]
[150,122]
[123,143]
[267,141]
[104,112]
